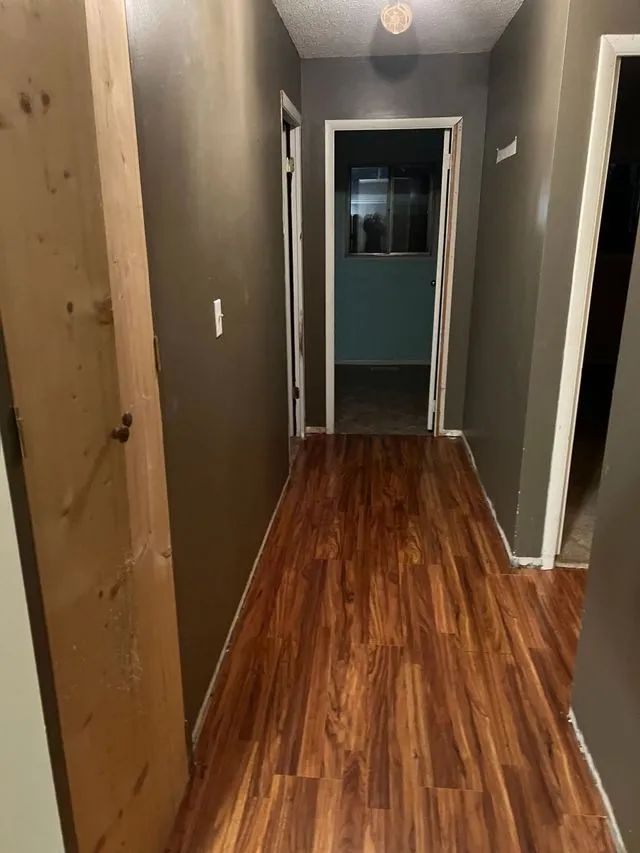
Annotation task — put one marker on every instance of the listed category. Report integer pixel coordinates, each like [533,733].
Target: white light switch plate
[218,315]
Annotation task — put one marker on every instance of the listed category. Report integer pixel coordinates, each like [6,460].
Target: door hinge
[296,392]
[17,418]
[291,165]
[156,353]
[447,162]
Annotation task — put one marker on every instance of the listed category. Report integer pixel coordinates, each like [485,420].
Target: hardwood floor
[392,685]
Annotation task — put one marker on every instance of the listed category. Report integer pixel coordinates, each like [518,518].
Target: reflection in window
[369,210]
[392,209]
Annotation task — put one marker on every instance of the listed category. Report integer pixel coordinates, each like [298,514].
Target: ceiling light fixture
[396,17]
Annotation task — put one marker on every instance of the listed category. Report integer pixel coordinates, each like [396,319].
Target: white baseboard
[202,714]
[451,433]
[517,562]
[616,835]
[394,362]
[311,430]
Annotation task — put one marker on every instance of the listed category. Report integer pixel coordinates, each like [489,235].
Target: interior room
[614,257]
[387,211]
[298,303]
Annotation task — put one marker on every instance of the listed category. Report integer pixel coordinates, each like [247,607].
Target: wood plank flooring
[392,685]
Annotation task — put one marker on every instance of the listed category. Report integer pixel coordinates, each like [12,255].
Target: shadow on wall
[401,53]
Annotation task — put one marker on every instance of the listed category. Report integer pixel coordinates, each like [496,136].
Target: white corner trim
[311,430]
[516,562]
[204,708]
[329,265]
[393,123]
[292,233]
[446,301]
[627,44]
[508,151]
[452,433]
[446,190]
[616,834]
[290,109]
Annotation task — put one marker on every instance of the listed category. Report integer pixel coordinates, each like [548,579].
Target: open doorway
[614,256]
[291,130]
[390,225]
[387,212]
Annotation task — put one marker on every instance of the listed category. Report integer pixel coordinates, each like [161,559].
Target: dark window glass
[392,209]
[369,210]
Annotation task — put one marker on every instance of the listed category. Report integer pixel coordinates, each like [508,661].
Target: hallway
[392,685]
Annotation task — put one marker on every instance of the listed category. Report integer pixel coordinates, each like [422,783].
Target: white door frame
[332,126]
[295,348]
[612,49]
[437,302]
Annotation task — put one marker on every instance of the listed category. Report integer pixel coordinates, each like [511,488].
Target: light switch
[218,315]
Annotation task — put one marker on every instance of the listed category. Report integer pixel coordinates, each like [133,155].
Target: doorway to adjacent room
[614,204]
[390,192]
[291,129]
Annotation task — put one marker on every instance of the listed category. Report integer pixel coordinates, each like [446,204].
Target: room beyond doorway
[612,269]
[387,212]
[382,399]
[390,219]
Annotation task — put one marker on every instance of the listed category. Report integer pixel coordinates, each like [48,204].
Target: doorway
[291,130]
[390,191]
[613,245]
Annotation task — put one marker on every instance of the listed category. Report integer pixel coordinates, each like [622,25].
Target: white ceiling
[352,27]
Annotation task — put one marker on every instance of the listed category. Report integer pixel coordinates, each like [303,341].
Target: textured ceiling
[353,28]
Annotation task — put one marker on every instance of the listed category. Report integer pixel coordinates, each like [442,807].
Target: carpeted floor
[586,464]
[389,400]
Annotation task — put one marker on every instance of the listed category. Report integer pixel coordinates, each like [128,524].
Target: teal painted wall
[383,306]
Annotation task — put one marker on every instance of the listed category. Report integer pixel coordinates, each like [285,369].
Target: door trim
[437,302]
[295,349]
[332,126]
[612,49]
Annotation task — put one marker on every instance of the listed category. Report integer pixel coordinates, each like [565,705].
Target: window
[392,209]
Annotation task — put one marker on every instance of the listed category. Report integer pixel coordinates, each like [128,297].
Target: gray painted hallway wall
[524,99]
[607,681]
[542,84]
[606,696]
[207,80]
[588,20]
[383,87]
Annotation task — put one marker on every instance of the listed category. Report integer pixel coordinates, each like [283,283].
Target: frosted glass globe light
[396,17]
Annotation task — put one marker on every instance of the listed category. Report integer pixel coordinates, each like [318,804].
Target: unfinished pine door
[74,301]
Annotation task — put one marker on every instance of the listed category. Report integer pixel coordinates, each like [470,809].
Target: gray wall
[607,686]
[207,80]
[541,88]
[589,19]
[606,696]
[407,86]
[524,97]
[383,306]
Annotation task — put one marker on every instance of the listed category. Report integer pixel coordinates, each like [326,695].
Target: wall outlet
[218,315]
